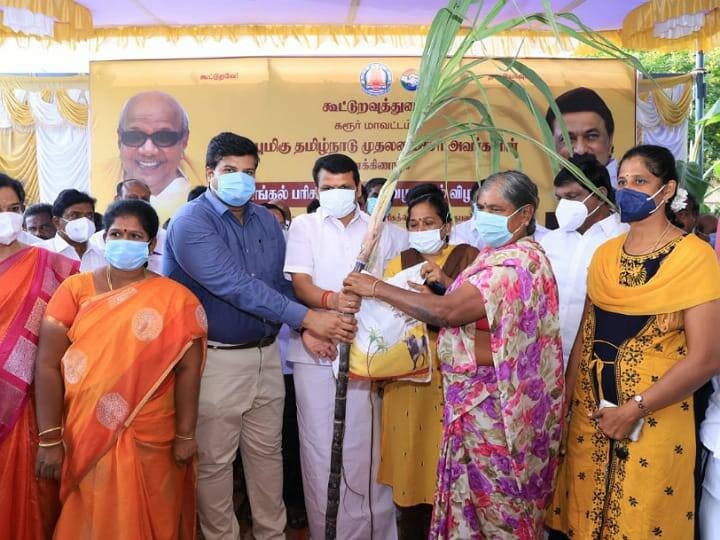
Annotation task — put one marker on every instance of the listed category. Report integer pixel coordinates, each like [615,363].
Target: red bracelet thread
[324,300]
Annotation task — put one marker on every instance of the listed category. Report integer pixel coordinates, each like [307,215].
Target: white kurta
[320,246]
[709,512]
[570,254]
[92,258]
[466,233]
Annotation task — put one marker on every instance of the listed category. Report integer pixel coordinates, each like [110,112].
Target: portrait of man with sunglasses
[152,134]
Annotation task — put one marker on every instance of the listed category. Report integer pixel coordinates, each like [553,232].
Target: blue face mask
[126,254]
[493,228]
[635,205]
[372,203]
[235,189]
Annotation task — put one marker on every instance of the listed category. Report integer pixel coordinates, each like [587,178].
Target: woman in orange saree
[28,277]
[121,353]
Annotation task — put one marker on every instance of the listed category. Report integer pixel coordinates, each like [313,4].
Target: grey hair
[517,189]
[184,118]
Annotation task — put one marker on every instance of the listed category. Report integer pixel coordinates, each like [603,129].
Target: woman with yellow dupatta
[648,341]
[412,413]
[28,277]
[121,354]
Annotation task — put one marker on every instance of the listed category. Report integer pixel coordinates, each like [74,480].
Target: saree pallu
[28,507]
[119,478]
[502,424]
[645,489]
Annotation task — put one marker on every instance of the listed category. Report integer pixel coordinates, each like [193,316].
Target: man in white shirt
[37,221]
[585,222]
[134,189]
[322,249]
[590,126]
[153,133]
[73,217]
[398,236]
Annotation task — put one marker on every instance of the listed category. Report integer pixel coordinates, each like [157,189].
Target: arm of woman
[49,397]
[187,392]
[699,365]
[462,306]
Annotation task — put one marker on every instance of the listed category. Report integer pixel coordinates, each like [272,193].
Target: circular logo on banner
[376,79]
[410,79]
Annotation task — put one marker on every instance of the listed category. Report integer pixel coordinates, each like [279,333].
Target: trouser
[709,511]
[366,508]
[292,476]
[241,406]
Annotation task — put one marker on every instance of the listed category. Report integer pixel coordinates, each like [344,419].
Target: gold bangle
[50,444]
[45,432]
[185,437]
[374,286]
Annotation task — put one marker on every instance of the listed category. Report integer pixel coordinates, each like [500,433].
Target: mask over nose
[79,230]
[338,203]
[636,205]
[236,188]
[126,254]
[10,227]
[493,228]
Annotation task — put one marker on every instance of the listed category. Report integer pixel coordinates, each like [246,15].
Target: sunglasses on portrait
[161,139]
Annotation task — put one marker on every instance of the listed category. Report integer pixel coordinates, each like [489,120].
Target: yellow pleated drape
[672,113]
[19,112]
[73,112]
[18,158]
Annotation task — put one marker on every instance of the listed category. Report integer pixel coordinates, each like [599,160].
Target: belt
[264,342]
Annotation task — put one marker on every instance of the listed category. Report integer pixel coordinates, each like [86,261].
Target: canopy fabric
[645,24]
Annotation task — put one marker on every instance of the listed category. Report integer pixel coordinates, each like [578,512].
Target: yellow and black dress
[633,334]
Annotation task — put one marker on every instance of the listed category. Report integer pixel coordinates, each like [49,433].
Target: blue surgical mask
[126,254]
[635,205]
[493,228]
[337,203]
[235,189]
[372,203]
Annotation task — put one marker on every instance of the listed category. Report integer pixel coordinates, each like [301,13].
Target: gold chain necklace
[107,275]
[655,247]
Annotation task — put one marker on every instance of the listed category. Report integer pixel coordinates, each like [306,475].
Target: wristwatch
[640,403]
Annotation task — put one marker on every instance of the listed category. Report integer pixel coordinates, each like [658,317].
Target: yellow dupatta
[689,276]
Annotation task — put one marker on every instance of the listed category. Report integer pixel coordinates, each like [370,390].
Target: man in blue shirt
[230,252]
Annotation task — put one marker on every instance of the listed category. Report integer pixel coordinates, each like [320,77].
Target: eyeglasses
[162,139]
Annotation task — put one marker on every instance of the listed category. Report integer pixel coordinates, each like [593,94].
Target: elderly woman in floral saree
[502,367]
[121,353]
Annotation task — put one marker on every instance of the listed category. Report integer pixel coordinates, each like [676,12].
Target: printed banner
[298,109]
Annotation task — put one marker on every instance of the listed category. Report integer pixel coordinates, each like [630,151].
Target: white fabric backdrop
[653,131]
[63,150]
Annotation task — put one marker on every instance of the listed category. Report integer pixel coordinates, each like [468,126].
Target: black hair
[430,194]
[363,192]
[229,144]
[582,100]
[15,185]
[336,164]
[195,192]
[661,163]
[473,192]
[287,216]
[137,208]
[370,184]
[119,186]
[68,197]
[38,209]
[313,206]
[518,189]
[595,171]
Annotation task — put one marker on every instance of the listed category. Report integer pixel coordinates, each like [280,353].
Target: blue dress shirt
[235,269]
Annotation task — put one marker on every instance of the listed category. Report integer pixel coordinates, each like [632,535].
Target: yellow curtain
[18,158]
[19,112]
[672,113]
[73,112]
[72,20]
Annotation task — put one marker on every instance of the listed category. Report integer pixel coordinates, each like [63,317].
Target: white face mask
[79,230]
[337,203]
[571,214]
[426,241]
[10,227]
